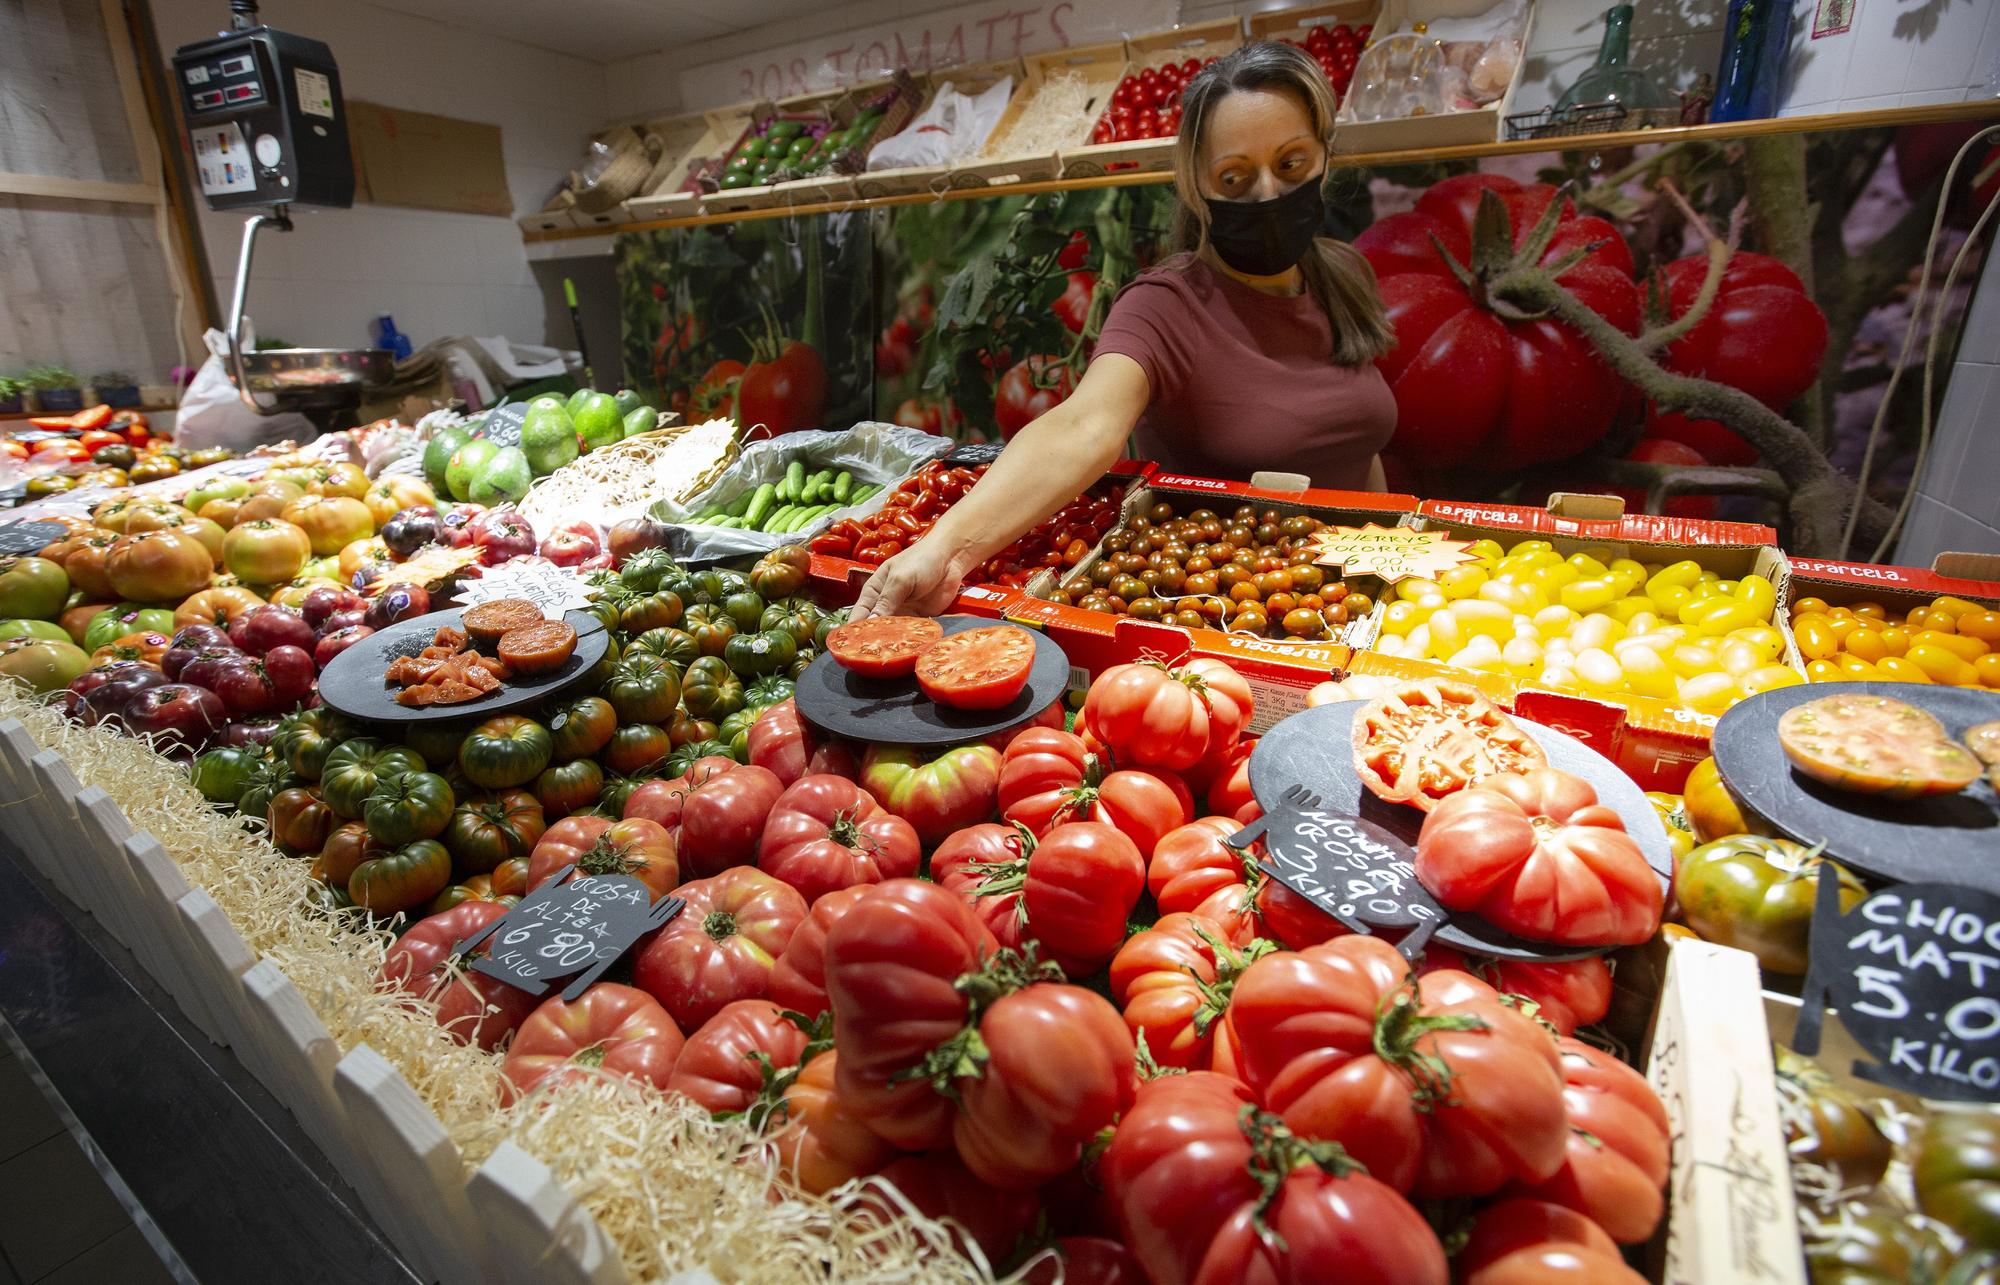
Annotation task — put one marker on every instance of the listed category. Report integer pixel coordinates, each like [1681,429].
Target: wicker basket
[632,161]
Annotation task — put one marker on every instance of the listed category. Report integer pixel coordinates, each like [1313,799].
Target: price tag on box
[1391,552]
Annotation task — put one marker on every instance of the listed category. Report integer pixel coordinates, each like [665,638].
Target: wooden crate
[1101,66]
[1447,129]
[969,80]
[677,192]
[1199,41]
[1294,24]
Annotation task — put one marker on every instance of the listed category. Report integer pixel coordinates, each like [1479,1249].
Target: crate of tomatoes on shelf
[1136,130]
[1856,622]
[1641,630]
[1333,35]
[1208,567]
[846,553]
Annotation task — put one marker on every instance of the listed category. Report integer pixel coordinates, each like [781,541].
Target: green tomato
[403,880]
[504,479]
[353,770]
[113,623]
[643,689]
[406,807]
[270,777]
[34,629]
[505,751]
[466,463]
[42,665]
[627,401]
[597,421]
[32,588]
[1957,1173]
[222,488]
[1756,894]
[223,775]
[759,654]
[710,690]
[444,444]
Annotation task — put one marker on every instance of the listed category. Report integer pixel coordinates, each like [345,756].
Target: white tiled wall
[436,273]
[1957,504]
[1897,53]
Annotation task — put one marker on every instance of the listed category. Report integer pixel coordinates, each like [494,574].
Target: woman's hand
[919,581]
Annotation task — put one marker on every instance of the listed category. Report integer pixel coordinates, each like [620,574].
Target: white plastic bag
[951,128]
[212,414]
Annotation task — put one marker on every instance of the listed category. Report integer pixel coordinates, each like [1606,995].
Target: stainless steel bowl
[307,378]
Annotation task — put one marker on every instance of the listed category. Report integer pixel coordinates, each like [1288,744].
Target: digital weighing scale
[268,128]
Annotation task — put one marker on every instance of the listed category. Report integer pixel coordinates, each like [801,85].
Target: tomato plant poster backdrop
[1709,328]
[765,321]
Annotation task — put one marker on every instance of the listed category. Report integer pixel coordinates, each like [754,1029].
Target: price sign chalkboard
[17,538]
[1355,871]
[503,424]
[1914,972]
[968,454]
[569,926]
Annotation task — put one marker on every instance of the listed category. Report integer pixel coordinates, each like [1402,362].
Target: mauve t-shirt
[1242,380]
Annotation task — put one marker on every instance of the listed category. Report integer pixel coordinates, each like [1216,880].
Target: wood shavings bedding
[672,1188]
[622,481]
[1054,118]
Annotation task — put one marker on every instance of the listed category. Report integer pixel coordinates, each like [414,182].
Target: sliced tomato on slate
[978,668]
[1422,741]
[883,646]
[1875,745]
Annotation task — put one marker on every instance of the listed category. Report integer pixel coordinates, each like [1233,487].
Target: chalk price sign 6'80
[580,926]
[1914,972]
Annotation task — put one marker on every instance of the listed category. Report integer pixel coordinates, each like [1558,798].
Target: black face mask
[1265,238]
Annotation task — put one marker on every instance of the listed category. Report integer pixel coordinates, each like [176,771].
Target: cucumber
[843,488]
[737,507]
[793,487]
[760,506]
[820,483]
[774,521]
[863,492]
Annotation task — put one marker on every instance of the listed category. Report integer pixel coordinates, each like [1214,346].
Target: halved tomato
[978,668]
[540,648]
[1422,741]
[1875,745]
[883,646]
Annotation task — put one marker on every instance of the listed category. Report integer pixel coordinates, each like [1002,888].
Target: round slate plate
[352,682]
[1946,838]
[1314,749]
[894,712]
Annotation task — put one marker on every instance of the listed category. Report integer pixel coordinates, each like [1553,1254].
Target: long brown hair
[1336,275]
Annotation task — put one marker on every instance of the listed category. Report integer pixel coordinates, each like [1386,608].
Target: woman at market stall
[1251,349]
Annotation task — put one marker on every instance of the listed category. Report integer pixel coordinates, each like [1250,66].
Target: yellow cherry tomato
[1871,609]
[1815,634]
[1768,678]
[1809,606]
[1895,640]
[1943,666]
[1987,669]
[1588,595]
[1867,644]
[1854,667]
[1414,588]
[1759,594]
[1824,671]
[1709,693]
[1932,618]
[1462,582]
[1770,644]
[1487,551]
[1898,670]
[1627,610]
[1983,624]
[1586,566]
[1954,607]
[1843,626]
[1964,648]
[1532,546]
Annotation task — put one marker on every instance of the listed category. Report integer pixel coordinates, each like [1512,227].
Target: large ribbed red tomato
[1174,981]
[822,1143]
[1536,854]
[1566,994]
[1470,383]
[473,1007]
[609,1028]
[1439,1088]
[985,864]
[892,963]
[1208,1189]
[1615,1165]
[722,1065]
[722,946]
[798,980]
[1533,1242]
[1148,715]
[826,833]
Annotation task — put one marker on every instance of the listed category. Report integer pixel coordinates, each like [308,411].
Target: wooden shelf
[1977,109]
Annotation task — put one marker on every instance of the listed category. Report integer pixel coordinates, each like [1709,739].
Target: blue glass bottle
[1756,43]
